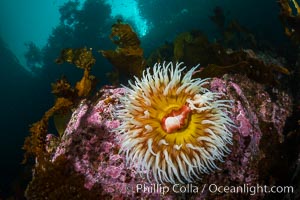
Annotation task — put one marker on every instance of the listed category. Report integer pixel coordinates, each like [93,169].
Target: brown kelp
[127,58]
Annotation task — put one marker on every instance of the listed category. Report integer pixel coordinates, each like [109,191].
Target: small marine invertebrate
[172,126]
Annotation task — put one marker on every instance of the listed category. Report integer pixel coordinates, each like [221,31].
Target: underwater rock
[259,116]
[91,145]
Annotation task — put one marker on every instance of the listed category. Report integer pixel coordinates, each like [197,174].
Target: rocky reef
[89,148]
[83,160]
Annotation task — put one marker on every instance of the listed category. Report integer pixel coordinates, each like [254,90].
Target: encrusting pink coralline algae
[92,143]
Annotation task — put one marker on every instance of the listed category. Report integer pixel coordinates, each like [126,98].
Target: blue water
[25,91]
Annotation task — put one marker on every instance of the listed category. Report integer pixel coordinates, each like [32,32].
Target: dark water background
[25,95]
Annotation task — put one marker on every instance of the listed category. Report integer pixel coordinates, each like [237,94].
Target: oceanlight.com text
[250,189]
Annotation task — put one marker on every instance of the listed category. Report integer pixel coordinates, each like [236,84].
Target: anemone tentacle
[172,126]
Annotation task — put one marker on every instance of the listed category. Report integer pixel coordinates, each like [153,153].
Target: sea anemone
[172,126]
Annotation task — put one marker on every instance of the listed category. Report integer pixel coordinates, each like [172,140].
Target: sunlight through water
[129,10]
